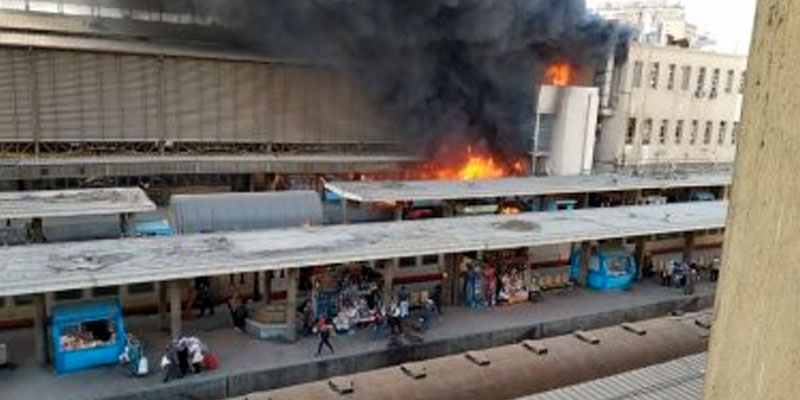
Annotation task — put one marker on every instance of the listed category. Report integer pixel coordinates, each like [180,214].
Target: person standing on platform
[404,302]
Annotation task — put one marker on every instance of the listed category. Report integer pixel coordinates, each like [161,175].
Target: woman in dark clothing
[324,328]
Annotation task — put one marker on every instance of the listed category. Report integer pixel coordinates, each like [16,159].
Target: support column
[585,201]
[163,320]
[725,192]
[527,273]
[388,279]
[174,294]
[688,247]
[639,257]
[41,348]
[586,256]
[125,224]
[345,218]
[291,304]
[262,287]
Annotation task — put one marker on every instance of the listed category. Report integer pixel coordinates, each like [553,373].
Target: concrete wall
[576,108]
[755,344]
[636,98]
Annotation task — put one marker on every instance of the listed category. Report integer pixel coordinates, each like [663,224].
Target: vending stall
[610,268]
[87,334]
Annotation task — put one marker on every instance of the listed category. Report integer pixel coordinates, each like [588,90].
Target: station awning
[398,191]
[73,203]
[52,267]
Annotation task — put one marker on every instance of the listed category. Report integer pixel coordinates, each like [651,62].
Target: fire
[558,74]
[479,166]
[509,210]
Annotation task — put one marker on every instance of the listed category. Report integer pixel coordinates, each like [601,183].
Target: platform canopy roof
[678,379]
[398,191]
[52,267]
[73,203]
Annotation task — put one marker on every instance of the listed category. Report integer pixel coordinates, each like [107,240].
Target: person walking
[437,298]
[324,328]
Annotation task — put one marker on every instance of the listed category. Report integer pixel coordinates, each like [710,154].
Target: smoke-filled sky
[450,72]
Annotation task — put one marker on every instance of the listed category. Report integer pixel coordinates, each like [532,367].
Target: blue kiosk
[87,334]
[611,268]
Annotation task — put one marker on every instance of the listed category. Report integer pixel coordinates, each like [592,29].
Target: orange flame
[509,210]
[559,74]
[480,166]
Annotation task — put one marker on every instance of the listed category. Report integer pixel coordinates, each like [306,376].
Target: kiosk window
[87,335]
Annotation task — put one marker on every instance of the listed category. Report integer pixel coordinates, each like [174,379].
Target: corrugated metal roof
[53,267]
[679,379]
[225,212]
[384,191]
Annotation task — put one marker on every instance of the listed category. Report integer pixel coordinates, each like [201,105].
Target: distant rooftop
[394,191]
[62,266]
[73,203]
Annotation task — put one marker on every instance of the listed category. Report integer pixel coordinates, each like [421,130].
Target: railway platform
[248,364]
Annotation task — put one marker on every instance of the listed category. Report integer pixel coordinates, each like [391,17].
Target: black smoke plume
[448,71]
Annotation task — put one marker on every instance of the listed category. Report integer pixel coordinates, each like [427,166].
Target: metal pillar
[262,284]
[125,224]
[688,247]
[726,192]
[162,306]
[40,328]
[174,293]
[345,219]
[586,256]
[291,304]
[585,201]
[639,257]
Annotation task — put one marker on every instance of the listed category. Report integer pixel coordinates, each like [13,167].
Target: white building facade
[653,22]
[671,106]
[565,129]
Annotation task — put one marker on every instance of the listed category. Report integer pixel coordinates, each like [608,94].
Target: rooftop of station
[398,191]
[73,203]
[45,268]
[677,379]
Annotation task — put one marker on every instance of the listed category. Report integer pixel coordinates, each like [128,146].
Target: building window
[693,132]
[662,132]
[671,77]
[408,262]
[742,81]
[23,300]
[655,69]
[723,131]
[631,133]
[714,83]
[430,259]
[734,132]
[647,131]
[701,82]
[637,74]
[69,294]
[686,77]
[707,132]
[729,81]
[105,291]
[678,131]
[141,288]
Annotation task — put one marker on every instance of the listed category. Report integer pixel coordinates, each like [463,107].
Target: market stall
[345,293]
[611,267]
[87,334]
